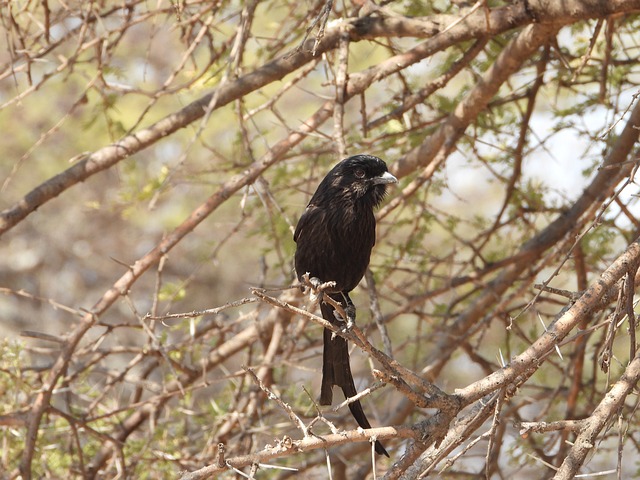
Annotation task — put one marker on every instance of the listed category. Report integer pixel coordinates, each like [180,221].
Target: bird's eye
[359,173]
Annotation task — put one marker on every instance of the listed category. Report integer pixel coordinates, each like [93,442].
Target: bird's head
[361,177]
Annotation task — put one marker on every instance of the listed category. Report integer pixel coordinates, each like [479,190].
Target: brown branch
[420,96]
[461,429]
[528,361]
[152,405]
[287,447]
[340,86]
[598,420]
[123,284]
[283,405]
[518,151]
[602,186]
[435,149]
[542,427]
[358,82]
[500,20]
[434,398]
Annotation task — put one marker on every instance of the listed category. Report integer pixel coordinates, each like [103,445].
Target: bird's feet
[350,312]
[316,287]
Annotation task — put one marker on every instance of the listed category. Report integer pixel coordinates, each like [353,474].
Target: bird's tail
[336,370]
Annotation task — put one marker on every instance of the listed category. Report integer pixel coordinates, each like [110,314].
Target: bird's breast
[337,248]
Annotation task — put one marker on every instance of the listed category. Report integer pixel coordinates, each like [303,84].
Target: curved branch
[527,362]
[599,419]
[614,169]
[474,26]
[124,283]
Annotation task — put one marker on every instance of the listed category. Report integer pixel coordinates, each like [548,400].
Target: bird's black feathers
[337,231]
[334,237]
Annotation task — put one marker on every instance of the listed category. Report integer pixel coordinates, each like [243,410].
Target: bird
[334,238]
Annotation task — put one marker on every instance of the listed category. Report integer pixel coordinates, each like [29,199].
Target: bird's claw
[350,312]
[312,282]
[315,286]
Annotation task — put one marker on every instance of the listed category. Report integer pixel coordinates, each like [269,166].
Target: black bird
[334,238]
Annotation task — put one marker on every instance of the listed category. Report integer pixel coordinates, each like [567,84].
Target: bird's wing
[310,215]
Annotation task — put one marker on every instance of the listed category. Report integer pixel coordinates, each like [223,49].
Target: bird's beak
[383,179]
